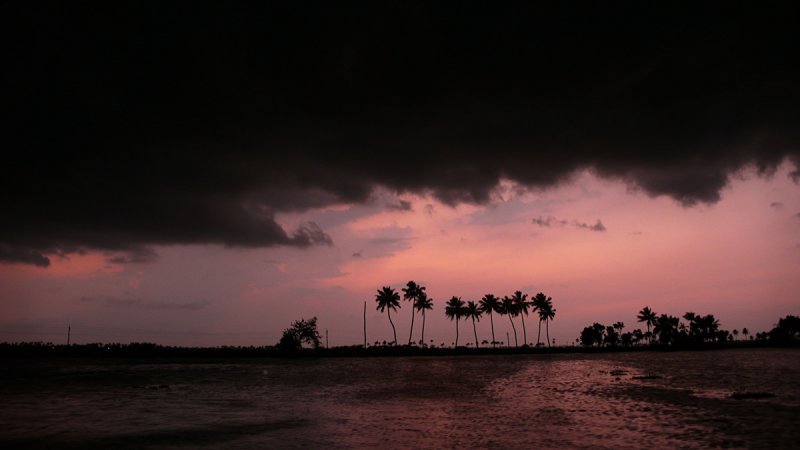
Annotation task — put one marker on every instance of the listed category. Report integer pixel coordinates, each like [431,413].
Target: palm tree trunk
[547,328]
[539,336]
[476,333]
[412,323]
[494,341]
[422,338]
[456,346]
[524,332]
[388,313]
[515,330]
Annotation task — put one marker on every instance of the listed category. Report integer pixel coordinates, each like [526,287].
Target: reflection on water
[628,400]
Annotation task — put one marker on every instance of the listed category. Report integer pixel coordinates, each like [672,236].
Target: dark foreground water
[513,401]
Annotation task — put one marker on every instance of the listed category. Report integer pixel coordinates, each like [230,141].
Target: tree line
[785,333]
[456,309]
[695,329]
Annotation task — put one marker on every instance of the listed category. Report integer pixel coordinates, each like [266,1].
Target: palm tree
[735,334]
[388,299]
[489,304]
[540,306]
[509,308]
[666,327]
[638,336]
[706,328]
[612,337]
[423,303]
[411,292]
[547,312]
[521,303]
[473,311]
[647,316]
[745,332]
[691,318]
[454,309]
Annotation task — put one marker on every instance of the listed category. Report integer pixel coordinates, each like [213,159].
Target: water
[513,401]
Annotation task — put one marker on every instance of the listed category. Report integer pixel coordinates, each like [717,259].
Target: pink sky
[738,259]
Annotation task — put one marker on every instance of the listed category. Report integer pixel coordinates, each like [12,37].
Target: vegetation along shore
[663,332]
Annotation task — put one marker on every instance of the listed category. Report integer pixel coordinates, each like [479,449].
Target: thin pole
[326,338]
[365,324]
[508,340]
[69,331]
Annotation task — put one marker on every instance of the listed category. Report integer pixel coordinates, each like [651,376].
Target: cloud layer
[551,221]
[199,123]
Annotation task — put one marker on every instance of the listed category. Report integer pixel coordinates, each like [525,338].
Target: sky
[206,173]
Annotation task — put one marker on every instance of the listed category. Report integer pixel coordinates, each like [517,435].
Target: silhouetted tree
[704,328]
[509,308]
[521,304]
[490,304]
[454,309]
[612,337]
[411,293]
[786,330]
[682,330]
[638,336]
[541,303]
[423,303]
[473,311]
[547,312]
[745,332]
[592,335]
[388,299]
[735,333]
[647,316]
[301,331]
[691,317]
[666,328]
[615,335]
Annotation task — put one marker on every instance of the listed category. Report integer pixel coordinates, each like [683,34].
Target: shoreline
[147,350]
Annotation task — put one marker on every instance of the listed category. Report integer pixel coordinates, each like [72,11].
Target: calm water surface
[513,401]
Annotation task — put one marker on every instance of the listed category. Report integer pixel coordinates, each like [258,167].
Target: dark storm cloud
[548,221]
[596,227]
[551,221]
[135,256]
[309,234]
[137,124]
[23,255]
[400,205]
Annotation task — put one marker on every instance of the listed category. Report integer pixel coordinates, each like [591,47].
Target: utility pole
[365,324]
[69,330]
[326,338]
[508,340]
